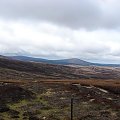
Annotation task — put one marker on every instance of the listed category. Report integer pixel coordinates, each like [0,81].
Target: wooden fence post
[71,108]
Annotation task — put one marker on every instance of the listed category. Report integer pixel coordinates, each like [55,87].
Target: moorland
[42,91]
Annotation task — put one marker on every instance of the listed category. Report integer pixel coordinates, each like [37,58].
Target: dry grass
[114,83]
[111,85]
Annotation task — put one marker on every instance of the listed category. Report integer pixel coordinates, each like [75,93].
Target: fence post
[71,108]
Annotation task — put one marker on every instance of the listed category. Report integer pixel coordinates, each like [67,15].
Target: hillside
[15,69]
[71,61]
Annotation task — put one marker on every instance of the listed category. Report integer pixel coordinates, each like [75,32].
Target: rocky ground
[43,101]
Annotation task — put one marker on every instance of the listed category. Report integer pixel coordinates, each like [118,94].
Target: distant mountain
[72,61]
[25,70]
[30,59]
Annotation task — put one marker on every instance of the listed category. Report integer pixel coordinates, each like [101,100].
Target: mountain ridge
[21,70]
[70,61]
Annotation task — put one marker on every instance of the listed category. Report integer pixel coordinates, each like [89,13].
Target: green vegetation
[52,102]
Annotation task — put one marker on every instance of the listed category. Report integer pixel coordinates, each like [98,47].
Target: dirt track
[114,83]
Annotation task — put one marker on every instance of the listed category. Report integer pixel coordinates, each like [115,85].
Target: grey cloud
[89,14]
[60,42]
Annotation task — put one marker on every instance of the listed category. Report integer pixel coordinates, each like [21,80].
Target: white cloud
[87,29]
[48,40]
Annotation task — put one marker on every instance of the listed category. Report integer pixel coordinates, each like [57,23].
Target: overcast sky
[55,29]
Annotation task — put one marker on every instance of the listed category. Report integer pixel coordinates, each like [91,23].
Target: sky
[57,29]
